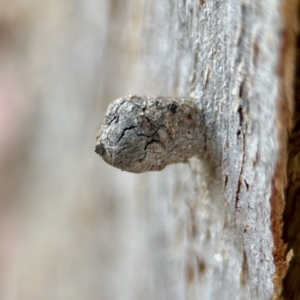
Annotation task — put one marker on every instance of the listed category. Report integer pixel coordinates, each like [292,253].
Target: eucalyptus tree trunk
[210,228]
[216,231]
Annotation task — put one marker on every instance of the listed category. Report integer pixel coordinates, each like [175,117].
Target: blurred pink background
[72,227]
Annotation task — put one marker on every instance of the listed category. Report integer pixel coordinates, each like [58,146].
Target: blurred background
[72,227]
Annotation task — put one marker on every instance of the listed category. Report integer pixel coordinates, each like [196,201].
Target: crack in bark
[151,142]
[123,133]
[142,121]
[238,190]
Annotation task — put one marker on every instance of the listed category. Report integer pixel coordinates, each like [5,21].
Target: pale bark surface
[141,134]
[234,49]
[199,230]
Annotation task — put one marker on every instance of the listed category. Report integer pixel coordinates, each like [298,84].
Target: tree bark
[233,59]
[207,229]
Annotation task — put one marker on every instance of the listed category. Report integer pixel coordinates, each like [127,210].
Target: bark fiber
[209,229]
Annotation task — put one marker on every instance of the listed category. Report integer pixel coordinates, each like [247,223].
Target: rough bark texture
[208,229]
[226,56]
[143,134]
[232,52]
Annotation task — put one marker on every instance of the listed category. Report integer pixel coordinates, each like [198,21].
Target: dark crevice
[141,159]
[244,271]
[256,51]
[207,78]
[246,184]
[241,90]
[226,181]
[172,107]
[291,216]
[144,135]
[151,142]
[115,118]
[241,173]
[172,150]
[125,148]
[123,133]
[237,194]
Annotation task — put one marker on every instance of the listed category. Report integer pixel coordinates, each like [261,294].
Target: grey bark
[224,54]
[142,134]
[197,230]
